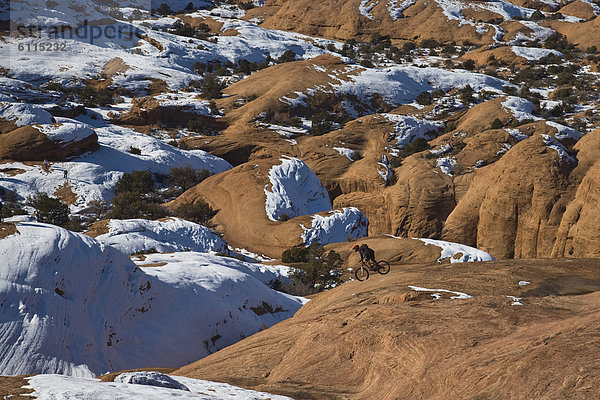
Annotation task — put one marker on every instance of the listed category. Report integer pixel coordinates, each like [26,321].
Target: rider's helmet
[355,247]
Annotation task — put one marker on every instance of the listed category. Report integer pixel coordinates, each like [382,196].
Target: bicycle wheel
[383,267]
[362,274]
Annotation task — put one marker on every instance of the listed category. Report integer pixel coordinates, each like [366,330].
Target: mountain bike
[362,272]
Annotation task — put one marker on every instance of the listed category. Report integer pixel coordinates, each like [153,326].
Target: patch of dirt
[98,228]
[12,171]
[160,264]
[157,86]
[7,229]
[65,193]
[114,67]
[11,387]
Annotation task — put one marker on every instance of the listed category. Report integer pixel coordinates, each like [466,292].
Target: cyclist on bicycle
[366,253]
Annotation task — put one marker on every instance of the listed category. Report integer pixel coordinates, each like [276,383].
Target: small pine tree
[199,212]
[497,124]
[211,87]
[49,210]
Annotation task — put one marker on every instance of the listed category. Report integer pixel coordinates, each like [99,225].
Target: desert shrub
[140,182]
[99,209]
[510,90]
[429,43]
[211,87]
[408,46]
[199,212]
[196,125]
[75,224]
[183,179]
[395,162]
[316,270]
[416,146]
[244,67]
[497,124]
[558,42]
[469,65]
[131,205]
[287,56]
[164,10]
[295,255]
[134,150]
[537,16]
[8,196]
[182,29]
[320,125]
[284,217]
[92,97]
[49,210]
[246,5]
[424,98]
[466,94]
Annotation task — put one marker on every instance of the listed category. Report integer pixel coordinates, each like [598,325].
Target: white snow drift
[457,252]
[338,226]
[72,305]
[171,234]
[139,386]
[295,190]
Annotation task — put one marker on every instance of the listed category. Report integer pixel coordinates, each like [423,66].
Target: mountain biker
[366,253]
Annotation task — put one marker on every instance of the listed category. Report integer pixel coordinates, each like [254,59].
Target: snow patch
[339,226]
[516,301]
[51,387]
[24,114]
[171,234]
[396,9]
[564,132]
[66,132]
[458,252]
[552,143]
[408,128]
[521,109]
[95,175]
[365,8]
[295,190]
[346,152]
[446,165]
[533,53]
[457,295]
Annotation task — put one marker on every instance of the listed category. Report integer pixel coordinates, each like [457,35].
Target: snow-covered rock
[149,378]
[457,252]
[166,235]
[555,145]
[72,305]
[346,152]
[338,226]
[522,109]
[127,386]
[534,53]
[409,128]
[446,165]
[402,84]
[96,174]
[66,132]
[294,190]
[24,114]
[266,274]
[564,132]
